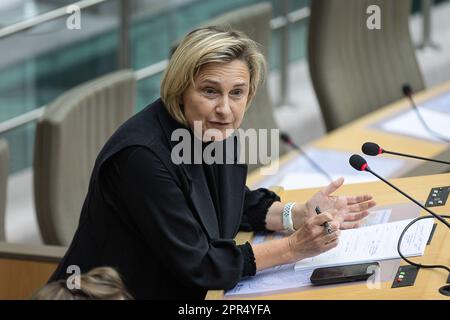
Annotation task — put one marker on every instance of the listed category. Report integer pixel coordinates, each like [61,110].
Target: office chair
[69,136]
[4,170]
[356,70]
[254,21]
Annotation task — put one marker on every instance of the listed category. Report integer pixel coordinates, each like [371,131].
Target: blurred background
[41,59]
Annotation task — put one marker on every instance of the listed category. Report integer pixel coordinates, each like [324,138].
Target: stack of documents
[409,124]
[436,114]
[373,243]
[376,241]
[298,173]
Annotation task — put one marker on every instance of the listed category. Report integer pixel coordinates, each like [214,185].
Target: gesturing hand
[348,210]
[311,239]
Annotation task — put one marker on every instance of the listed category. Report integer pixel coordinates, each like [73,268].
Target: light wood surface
[25,268]
[351,137]
[23,251]
[19,279]
[428,280]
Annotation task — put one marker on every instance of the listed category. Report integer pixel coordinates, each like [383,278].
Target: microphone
[287,139]
[373,149]
[360,164]
[408,93]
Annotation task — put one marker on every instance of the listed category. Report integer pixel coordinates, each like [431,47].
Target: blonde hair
[203,46]
[103,283]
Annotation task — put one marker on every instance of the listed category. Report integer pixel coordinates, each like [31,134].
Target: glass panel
[13,11]
[298,40]
[39,64]
[21,143]
[147,91]
[173,19]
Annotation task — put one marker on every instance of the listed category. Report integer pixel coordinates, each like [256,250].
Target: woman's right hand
[311,238]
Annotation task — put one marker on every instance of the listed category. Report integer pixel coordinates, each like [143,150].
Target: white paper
[273,279]
[409,124]
[439,103]
[376,217]
[298,173]
[285,276]
[312,180]
[373,243]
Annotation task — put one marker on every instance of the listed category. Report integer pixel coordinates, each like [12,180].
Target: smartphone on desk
[341,274]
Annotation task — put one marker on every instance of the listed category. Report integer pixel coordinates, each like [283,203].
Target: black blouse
[154,221]
[254,220]
[255,217]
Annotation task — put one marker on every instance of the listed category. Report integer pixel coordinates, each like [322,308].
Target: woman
[103,283]
[169,229]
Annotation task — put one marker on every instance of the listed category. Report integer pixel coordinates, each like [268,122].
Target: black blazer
[154,221]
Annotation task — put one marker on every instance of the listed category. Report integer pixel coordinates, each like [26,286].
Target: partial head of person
[211,80]
[103,283]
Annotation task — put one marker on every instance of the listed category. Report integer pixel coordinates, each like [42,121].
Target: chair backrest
[4,170]
[69,136]
[354,69]
[254,21]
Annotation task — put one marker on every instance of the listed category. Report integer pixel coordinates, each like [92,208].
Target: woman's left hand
[348,210]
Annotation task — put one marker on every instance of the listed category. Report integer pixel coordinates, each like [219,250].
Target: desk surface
[351,137]
[428,280]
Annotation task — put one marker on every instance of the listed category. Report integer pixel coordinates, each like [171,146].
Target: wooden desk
[351,137]
[428,280]
[26,268]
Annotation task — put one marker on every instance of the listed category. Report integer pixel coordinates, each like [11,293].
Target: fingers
[330,245]
[333,186]
[335,224]
[318,229]
[325,241]
[356,216]
[313,238]
[328,241]
[350,225]
[331,237]
[358,199]
[362,206]
[322,218]
[318,232]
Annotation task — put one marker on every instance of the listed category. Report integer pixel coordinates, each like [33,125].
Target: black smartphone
[340,274]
